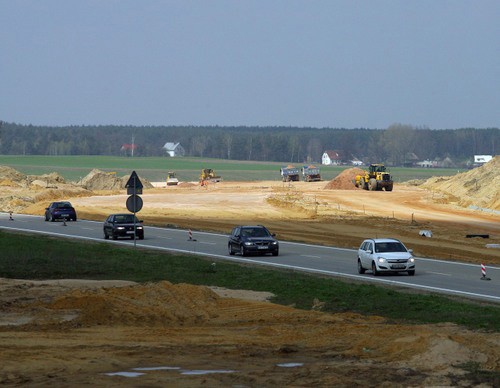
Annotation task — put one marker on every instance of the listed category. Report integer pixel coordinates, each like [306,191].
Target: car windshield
[389,247]
[125,219]
[63,205]
[254,232]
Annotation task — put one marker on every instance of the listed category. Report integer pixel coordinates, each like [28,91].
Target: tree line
[396,145]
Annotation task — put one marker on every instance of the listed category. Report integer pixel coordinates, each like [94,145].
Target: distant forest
[397,145]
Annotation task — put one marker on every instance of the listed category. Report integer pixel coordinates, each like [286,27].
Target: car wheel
[141,237]
[106,236]
[46,218]
[276,253]
[115,237]
[374,269]
[243,252]
[132,237]
[361,270]
[412,272]
[52,219]
[74,219]
[230,250]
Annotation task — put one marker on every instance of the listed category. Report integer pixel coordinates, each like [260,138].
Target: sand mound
[52,179]
[101,180]
[478,187]
[345,180]
[152,304]
[11,177]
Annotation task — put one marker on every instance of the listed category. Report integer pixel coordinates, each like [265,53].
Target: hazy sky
[331,63]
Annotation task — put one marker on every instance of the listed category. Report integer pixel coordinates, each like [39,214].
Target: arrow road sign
[134,184]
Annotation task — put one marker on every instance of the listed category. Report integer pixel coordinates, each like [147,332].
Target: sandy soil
[71,333]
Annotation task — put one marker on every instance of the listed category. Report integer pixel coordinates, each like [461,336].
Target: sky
[300,63]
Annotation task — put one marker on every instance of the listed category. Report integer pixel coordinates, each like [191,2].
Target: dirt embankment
[479,187]
[160,334]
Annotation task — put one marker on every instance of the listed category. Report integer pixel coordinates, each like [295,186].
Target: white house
[480,159]
[331,158]
[334,158]
[174,149]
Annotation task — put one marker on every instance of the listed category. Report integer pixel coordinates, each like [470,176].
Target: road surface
[452,278]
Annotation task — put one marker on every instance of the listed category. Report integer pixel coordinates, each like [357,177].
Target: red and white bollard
[483,272]
[190,236]
[10,216]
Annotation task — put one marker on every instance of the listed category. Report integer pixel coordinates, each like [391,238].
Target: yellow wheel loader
[376,178]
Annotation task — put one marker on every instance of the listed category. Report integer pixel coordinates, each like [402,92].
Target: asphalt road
[453,278]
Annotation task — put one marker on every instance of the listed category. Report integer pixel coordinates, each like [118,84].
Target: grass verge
[43,257]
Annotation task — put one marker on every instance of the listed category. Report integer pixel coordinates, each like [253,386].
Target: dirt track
[78,333]
[331,217]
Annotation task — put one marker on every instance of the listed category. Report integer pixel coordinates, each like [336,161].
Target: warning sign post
[134,202]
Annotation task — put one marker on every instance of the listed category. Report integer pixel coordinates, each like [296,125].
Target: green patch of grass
[42,257]
[74,168]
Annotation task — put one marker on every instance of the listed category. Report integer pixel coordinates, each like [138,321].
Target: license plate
[64,215]
[261,247]
[398,266]
[130,232]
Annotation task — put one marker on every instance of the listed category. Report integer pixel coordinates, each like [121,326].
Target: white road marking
[314,257]
[439,273]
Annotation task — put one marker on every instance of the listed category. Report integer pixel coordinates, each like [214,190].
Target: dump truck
[289,173]
[376,178]
[209,175]
[172,179]
[310,173]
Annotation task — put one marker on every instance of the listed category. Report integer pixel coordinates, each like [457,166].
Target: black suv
[252,239]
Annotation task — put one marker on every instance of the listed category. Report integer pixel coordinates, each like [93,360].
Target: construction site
[78,332]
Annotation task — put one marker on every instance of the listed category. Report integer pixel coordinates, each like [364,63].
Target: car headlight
[380,259]
[274,243]
[411,260]
[120,227]
[139,228]
[248,243]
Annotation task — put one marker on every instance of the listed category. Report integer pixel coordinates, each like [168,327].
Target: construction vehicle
[310,173]
[209,175]
[289,173]
[376,178]
[172,179]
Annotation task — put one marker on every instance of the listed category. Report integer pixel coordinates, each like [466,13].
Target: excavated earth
[110,333]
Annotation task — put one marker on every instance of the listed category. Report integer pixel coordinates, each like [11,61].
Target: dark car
[60,211]
[252,239]
[123,225]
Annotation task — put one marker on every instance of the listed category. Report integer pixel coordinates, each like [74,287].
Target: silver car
[381,255]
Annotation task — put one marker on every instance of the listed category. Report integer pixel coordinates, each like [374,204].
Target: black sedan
[60,211]
[252,239]
[123,225]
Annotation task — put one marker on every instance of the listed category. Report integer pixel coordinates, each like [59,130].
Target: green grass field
[73,168]
[42,257]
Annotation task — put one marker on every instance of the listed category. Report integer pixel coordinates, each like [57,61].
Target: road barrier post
[10,216]
[483,271]
[190,236]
